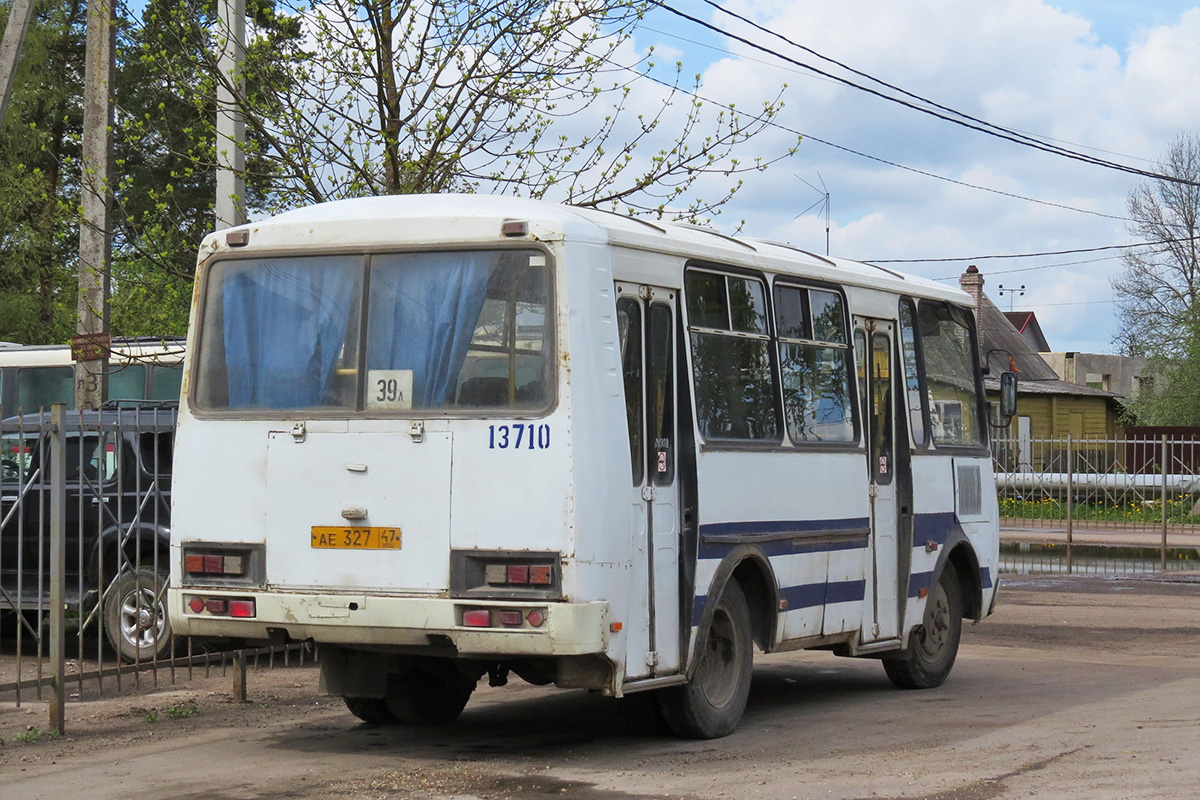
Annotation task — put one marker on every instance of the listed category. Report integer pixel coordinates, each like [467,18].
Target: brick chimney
[972,283]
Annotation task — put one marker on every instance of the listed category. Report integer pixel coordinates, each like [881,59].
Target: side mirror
[1008,395]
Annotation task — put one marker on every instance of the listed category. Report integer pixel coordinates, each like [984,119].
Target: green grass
[1149,512]
[183,710]
[33,735]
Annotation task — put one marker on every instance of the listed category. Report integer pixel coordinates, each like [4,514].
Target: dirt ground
[1075,688]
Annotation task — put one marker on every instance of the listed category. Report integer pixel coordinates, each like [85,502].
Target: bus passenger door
[873,352]
[646,317]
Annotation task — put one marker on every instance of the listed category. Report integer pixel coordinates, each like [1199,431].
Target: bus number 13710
[518,435]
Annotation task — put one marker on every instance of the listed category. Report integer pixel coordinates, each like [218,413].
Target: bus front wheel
[710,705]
[934,644]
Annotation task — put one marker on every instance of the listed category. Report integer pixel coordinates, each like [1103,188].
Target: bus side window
[629,323]
[814,364]
[731,354]
[949,361]
[912,372]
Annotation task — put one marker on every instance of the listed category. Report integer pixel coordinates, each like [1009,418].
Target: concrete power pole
[91,346]
[231,125]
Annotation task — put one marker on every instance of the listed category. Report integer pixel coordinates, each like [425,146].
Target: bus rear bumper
[522,628]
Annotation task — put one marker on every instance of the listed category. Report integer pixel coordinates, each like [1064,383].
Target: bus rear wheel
[934,644]
[710,705]
[373,710]
[427,697]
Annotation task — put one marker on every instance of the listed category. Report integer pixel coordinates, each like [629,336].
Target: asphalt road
[1075,688]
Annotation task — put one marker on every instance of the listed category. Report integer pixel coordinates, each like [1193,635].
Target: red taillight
[518,573]
[477,618]
[196,604]
[217,606]
[241,608]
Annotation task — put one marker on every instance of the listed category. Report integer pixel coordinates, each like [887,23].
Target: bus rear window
[386,333]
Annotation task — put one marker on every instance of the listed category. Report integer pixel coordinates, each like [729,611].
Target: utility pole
[231,126]
[19,16]
[90,347]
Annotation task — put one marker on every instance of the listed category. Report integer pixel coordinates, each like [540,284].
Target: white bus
[139,368]
[454,436]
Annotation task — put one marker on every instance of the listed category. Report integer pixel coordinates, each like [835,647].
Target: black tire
[135,615]
[371,709]
[422,697]
[933,646]
[710,705]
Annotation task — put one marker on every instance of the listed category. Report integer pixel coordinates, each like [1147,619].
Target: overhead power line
[1029,255]
[860,154]
[931,108]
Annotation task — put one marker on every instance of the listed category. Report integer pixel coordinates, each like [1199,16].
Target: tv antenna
[1019,291]
[823,203]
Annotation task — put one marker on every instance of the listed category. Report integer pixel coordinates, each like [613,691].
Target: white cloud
[1024,64]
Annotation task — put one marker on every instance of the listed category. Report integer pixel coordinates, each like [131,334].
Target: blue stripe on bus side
[806,596]
[934,528]
[782,537]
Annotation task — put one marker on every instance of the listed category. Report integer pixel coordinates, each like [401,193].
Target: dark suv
[118,506]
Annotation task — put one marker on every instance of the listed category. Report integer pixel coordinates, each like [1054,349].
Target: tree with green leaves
[39,180]
[166,150]
[1158,290]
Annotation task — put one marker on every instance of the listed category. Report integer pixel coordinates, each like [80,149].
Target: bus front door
[646,316]
[873,351]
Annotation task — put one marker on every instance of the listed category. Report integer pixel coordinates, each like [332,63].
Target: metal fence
[84,558]
[1136,499]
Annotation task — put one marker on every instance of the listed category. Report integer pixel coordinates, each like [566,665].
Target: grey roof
[1004,348]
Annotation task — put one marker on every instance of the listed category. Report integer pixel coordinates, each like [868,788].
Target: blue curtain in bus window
[421,316]
[285,323]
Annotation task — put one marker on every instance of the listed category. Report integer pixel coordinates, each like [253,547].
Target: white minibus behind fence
[454,436]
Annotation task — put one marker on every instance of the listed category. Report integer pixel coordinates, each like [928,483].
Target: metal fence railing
[1144,492]
[84,557]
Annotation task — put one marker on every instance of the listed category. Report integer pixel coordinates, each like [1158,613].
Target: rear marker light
[477,618]
[214,565]
[536,618]
[196,604]
[510,618]
[519,574]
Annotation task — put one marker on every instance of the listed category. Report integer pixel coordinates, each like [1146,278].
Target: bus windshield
[395,332]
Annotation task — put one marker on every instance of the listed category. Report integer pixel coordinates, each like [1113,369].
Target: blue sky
[1112,79]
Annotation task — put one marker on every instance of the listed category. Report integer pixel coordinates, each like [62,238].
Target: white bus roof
[380,222]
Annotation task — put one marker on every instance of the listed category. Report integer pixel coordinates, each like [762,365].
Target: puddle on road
[1025,558]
